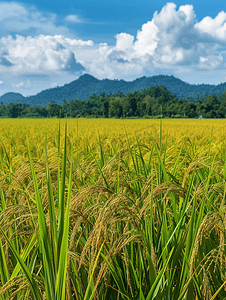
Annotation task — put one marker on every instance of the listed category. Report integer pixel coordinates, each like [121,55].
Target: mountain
[12,98]
[87,85]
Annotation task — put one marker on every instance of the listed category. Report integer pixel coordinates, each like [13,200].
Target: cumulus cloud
[168,39]
[173,39]
[39,55]
[215,28]
[124,41]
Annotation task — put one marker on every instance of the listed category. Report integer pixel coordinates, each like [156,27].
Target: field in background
[196,130]
[120,209]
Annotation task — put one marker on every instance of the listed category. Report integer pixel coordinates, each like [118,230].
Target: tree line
[152,102]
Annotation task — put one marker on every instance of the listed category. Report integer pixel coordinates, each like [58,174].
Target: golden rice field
[112,209]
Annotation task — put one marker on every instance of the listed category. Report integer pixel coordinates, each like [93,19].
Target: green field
[112,209]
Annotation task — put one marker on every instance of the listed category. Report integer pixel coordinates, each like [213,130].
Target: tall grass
[136,213]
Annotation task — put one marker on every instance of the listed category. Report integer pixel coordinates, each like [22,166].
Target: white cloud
[147,39]
[18,18]
[74,42]
[173,39]
[39,55]
[1,82]
[11,10]
[214,27]
[24,84]
[124,41]
[167,38]
[210,62]
[73,19]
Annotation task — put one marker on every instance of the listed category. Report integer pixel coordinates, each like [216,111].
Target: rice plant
[112,209]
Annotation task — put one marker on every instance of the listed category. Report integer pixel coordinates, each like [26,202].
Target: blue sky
[44,44]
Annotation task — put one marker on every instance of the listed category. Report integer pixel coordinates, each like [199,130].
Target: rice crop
[112,209]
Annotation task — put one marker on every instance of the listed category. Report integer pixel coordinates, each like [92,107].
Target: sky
[44,44]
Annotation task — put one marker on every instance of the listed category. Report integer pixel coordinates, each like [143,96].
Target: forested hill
[153,102]
[87,85]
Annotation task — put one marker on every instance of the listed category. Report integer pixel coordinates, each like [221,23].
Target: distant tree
[115,108]
[106,108]
[53,109]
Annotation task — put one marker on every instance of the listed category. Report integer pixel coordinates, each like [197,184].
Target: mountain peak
[87,77]
[14,94]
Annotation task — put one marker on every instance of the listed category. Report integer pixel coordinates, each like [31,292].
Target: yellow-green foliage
[112,209]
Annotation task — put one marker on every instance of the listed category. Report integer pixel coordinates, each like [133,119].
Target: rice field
[112,209]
